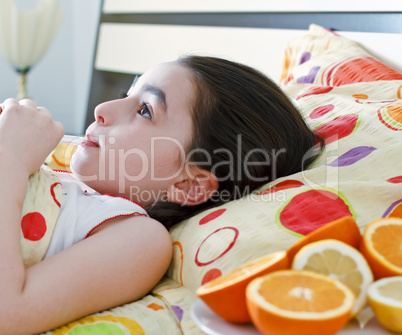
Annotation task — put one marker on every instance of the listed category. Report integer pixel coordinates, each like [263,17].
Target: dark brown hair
[239,116]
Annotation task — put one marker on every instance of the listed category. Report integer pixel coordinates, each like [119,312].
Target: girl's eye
[145,112]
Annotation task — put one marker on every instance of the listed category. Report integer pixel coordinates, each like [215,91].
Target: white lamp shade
[25,34]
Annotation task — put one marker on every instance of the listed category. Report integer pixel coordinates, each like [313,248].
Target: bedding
[40,211]
[353,101]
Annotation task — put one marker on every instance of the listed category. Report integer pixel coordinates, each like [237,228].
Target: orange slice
[338,260]
[343,229]
[290,302]
[381,246]
[60,157]
[226,295]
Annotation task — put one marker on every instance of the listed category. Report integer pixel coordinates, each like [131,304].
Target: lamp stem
[22,85]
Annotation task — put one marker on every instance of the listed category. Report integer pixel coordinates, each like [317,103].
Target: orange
[343,229]
[337,260]
[60,157]
[301,302]
[381,246]
[226,295]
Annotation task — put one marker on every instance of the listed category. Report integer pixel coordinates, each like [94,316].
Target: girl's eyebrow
[158,93]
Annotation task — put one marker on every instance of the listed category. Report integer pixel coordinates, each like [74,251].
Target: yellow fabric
[39,214]
[324,58]
[150,315]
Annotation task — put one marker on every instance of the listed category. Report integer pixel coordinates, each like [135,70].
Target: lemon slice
[337,260]
[385,298]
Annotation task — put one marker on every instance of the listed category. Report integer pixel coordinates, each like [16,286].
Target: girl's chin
[79,167]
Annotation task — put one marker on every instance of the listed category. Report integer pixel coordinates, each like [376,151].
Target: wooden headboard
[133,35]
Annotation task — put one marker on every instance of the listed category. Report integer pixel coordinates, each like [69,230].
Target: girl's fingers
[13,103]
[10,103]
[27,103]
[60,128]
[43,113]
[43,110]
[58,125]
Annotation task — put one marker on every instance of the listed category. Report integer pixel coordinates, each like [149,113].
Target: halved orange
[226,295]
[301,302]
[60,157]
[340,261]
[343,229]
[381,246]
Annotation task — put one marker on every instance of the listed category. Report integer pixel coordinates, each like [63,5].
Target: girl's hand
[27,132]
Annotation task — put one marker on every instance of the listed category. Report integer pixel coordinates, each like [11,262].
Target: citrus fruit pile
[226,294]
[319,283]
[382,247]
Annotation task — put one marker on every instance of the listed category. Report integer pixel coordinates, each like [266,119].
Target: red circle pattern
[211,216]
[231,244]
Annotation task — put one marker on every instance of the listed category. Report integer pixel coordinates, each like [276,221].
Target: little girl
[187,136]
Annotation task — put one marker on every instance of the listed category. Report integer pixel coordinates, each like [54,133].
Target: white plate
[212,324]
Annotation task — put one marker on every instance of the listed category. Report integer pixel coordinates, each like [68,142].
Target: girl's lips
[89,142]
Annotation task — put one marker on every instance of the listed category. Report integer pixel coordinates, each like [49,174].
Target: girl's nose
[107,112]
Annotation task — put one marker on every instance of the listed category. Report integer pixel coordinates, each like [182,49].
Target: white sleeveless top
[82,210]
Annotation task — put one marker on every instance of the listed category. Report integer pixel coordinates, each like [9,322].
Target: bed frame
[130,40]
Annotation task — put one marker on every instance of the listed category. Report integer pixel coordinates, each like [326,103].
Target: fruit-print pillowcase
[325,58]
[359,174]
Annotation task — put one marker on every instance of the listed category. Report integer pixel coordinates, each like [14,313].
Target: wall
[186,6]
[61,80]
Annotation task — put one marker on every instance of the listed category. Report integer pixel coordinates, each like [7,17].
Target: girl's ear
[195,189]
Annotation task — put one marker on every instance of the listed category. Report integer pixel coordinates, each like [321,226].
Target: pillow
[359,173]
[149,315]
[325,58]
[40,211]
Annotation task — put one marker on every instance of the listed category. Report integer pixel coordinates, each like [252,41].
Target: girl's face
[136,146]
